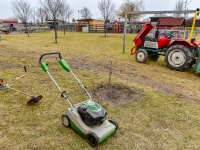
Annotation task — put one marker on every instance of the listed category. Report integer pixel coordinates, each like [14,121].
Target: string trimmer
[34,99]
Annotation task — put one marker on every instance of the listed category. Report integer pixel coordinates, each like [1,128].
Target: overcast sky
[150,5]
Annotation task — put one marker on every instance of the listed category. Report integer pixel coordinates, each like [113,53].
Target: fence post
[124,42]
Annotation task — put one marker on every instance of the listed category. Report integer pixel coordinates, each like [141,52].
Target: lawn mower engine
[92,113]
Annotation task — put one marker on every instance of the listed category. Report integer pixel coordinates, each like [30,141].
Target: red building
[168,23]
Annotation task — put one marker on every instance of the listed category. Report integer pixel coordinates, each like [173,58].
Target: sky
[150,5]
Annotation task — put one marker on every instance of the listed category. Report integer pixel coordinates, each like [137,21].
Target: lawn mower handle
[53,53]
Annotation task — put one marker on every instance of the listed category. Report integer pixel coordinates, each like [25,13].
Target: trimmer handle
[25,69]
[53,53]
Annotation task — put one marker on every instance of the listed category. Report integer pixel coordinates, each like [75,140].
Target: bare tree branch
[41,15]
[52,8]
[179,7]
[85,13]
[22,10]
[65,13]
[107,9]
[130,6]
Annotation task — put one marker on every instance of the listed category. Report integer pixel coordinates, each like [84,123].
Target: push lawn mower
[34,99]
[87,118]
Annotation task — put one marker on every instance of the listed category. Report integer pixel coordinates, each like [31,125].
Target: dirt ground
[120,91]
[116,94]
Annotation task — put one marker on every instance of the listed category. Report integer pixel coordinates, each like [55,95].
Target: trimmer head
[1,81]
[34,99]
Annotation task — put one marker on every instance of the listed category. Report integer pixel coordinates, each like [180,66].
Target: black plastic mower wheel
[154,57]
[92,139]
[65,121]
[114,122]
[178,57]
[141,56]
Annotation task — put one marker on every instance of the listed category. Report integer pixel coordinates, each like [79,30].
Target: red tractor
[179,54]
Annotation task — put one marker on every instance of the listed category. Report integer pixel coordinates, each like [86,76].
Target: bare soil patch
[116,94]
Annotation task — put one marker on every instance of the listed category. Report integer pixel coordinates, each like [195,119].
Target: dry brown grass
[167,116]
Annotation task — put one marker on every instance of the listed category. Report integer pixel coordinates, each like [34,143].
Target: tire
[92,139]
[193,62]
[178,57]
[65,121]
[115,123]
[141,56]
[154,57]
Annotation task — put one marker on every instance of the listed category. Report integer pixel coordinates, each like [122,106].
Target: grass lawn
[164,114]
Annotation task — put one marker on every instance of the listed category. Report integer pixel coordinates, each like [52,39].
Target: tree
[85,13]
[22,10]
[34,16]
[52,8]
[41,15]
[65,13]
[179,7]
[130,6]
[107,9]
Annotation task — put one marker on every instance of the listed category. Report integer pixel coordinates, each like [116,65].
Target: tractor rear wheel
[141,56]
[178,57]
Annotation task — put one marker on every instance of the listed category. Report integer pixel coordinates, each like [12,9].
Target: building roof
[171,22]
[9,20]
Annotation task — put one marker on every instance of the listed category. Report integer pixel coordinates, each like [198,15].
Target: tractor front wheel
[178,57]
[141,56]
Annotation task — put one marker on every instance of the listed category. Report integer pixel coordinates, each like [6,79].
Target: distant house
[51,25]
[90,25]
[190,21]
[154,20]
[169,23]
[10,24]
